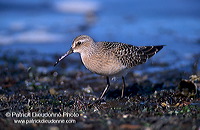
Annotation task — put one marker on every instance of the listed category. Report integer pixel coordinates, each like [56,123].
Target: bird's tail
[149,51]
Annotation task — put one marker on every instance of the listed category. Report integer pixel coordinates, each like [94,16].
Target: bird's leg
[123,87]
[103,93]
[107,87]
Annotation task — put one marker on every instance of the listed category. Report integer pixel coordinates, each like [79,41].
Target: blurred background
[49,26]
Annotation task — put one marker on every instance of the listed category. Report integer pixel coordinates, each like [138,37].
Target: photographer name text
[37,114]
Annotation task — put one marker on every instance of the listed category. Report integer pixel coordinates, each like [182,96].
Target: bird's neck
[88,50]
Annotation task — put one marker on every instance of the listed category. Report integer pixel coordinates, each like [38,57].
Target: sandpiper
[110,59]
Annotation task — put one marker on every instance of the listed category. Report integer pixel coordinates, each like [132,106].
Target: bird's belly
[103,66]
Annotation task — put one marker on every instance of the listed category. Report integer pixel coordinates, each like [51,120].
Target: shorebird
[110,59]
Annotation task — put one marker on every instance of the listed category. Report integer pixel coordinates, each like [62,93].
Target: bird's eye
[78,43]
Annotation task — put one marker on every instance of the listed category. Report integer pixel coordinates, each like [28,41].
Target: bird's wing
[130,55]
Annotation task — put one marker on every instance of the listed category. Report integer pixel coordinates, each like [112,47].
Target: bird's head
[79,44]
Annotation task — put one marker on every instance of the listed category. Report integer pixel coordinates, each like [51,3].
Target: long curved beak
[65,55]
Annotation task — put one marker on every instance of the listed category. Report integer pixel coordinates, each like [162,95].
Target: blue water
[50,26]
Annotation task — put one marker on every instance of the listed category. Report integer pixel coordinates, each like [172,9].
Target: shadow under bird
[110,59]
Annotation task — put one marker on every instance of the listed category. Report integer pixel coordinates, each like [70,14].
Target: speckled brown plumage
[130,55]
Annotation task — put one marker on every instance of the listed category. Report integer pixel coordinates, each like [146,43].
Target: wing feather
[130,55]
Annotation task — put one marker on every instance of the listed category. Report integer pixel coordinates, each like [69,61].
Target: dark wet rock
[187,88]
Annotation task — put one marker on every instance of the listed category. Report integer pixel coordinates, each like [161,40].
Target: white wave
[33,36]
[77,6]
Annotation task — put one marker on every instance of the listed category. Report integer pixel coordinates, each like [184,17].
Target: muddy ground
[63,97]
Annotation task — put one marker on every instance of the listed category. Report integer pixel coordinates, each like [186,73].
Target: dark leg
[123,87]
[107,87]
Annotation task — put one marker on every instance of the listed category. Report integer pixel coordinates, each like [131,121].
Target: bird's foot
[97,102]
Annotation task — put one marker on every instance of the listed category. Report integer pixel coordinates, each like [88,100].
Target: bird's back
[130,55]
